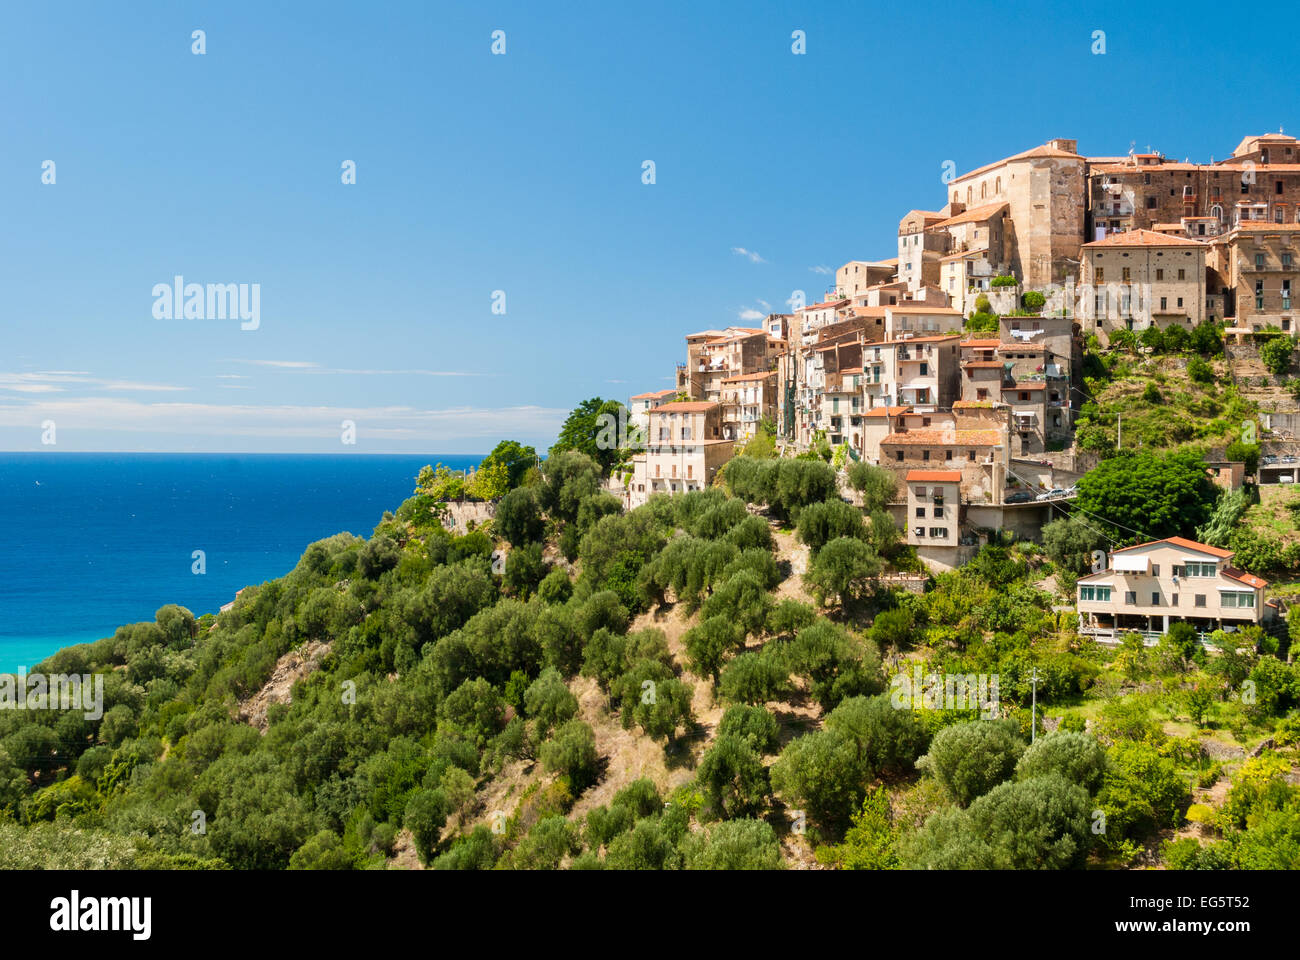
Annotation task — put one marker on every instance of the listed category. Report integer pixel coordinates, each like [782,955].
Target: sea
[90,541]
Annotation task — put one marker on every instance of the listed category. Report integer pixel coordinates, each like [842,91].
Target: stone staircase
[1254,382]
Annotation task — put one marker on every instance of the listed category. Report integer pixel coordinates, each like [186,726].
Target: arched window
[984,190]
[969,193]
[997,186]
[1216,212]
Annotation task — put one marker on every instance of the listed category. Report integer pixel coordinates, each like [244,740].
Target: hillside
[674,694]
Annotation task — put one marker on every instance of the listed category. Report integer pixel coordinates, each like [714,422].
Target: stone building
[1140,278]
[1259,182]
[714,355]
[1255,270]
[747,400]
[685,447]
[1043,189]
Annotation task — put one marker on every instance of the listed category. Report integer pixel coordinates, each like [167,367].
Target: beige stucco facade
[1149,586]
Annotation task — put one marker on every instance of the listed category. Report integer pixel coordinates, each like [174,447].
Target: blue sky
[519,173]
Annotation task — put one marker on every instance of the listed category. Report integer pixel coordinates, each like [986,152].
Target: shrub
[969,759]
[1275,353]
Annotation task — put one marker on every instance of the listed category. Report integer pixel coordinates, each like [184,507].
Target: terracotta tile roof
[922,308]
[826,305]
[1029,347]
[885,411]
[965,254]
[937,338]
[1128,166]
[1184,543]
[653,394]
[1024,386]
[685,406]
[1266,227]
[1043,152]
[969,438]
[982,344]
[974,215]
[934,476]
[986,364]
[1143,238]
[974,404]
[1269,137]
[1247,578]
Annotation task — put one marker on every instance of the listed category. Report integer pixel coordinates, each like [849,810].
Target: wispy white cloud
[288,364]
[281,421]
[308,366]
[749,313]
[55,381]
[751,255]
[821,270]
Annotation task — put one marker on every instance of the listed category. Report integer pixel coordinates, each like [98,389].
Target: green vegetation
[1140,495]
[467,715]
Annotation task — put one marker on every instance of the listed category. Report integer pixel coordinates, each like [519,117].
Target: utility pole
[1033,715]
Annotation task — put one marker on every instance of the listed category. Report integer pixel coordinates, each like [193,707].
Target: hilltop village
[958,363]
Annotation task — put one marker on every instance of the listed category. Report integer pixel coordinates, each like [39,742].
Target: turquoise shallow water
[91,541]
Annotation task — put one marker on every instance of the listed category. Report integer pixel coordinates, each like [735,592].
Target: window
[898,455]
[1259,261]
[1095,594]
[1200,600]
[1130,597]
[1098,274]
[1155,569]
[1164,303]
[939,532]
[1286,260]
[1125,277]
[1199,568]
[1151,203]
[1173,600]
[925,454]
[920,493]
[970,455]
[920,512]
[1238,599]
[1155,598]
[937,512]
[1160,274]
